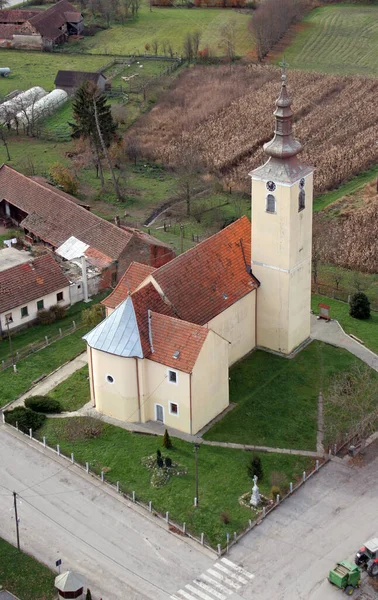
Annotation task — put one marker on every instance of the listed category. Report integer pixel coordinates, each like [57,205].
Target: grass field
[365,330]
[171,24]
[340,39]
[74,392]
[277,398]
[223,474]
[24,576]
[32,156]
[30,68]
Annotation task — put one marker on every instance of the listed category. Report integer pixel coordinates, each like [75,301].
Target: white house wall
[48,301]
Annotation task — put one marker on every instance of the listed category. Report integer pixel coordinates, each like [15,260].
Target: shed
[69,585]
[70,81]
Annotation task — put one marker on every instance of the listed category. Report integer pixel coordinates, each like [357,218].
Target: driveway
[327,520]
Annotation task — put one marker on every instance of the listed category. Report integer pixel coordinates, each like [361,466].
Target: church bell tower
[282,193]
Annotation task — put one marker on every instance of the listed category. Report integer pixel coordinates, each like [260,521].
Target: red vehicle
[367,557]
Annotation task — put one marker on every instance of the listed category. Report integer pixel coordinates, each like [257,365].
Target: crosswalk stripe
[224,579]
[198,592]
[186,595]
[215,584]
[209,589]
[237,568]
[237,577]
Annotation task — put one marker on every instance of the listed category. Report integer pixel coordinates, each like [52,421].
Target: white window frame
[175,414]
[172,371]
[271,212]
[162,408]
[107,380]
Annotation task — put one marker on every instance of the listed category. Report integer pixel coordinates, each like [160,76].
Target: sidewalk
[331,332]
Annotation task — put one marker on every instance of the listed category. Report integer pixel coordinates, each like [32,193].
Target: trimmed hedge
[43,404]
[26,418]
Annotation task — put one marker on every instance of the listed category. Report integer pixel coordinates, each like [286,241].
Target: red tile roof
[207,279]
[48,21]
[55,218]
[30,281]
[17,16]
[145,299]
[97,258]
[173,337]
[133,277]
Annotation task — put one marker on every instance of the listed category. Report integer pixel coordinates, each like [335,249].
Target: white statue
[255,498]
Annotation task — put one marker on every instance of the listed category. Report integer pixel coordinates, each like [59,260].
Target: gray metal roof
[118,334]
[72,248]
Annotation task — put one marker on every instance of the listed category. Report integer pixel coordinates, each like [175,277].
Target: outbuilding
[70,81]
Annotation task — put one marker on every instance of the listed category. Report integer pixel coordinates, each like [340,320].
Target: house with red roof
[28,287]
[171,333]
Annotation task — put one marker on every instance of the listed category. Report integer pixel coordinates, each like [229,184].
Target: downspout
[256,318]
[93,384]
[190,403]
[138,390]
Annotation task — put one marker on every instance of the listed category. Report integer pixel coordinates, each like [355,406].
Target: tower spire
[283,145]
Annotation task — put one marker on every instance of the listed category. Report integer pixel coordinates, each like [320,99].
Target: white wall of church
[237,324]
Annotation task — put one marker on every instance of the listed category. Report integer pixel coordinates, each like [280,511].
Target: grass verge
[223,474]
[24,576]
[74,392]
[277,398]
[350,187]
[365,330]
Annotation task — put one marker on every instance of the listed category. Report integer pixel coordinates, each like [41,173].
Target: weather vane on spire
[284,65]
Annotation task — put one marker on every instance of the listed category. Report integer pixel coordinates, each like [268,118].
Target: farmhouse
[69,81]
[27,287]
[164,350]
[50,217]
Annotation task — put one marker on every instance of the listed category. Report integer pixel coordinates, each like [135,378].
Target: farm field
[227,116]
[340,39]
[171,24]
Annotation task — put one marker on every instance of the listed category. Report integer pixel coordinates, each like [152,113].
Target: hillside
[226,115]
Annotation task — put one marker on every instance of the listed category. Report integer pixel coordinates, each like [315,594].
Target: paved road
[64,515]
[327,520]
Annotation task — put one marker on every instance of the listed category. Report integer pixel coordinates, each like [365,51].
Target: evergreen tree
[88,595]
[255,468]
[359,306]
[167,440]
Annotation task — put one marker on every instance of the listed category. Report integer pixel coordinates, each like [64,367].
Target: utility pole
[196,447]
[16,517]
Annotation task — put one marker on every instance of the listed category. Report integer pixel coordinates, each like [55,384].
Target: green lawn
[24,576]
[367,331]
[32,156]
[171,24]
[339,39]
[277,398]
[74,392]
[37,333]
[350,187]
[368,282]
[222,475]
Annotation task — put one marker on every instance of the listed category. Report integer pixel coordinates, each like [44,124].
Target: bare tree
[3,137]
[106,153]
[227,40]
[155,46]
[196,38]
[351,405]
[337,278]
[188,170]
[188,47]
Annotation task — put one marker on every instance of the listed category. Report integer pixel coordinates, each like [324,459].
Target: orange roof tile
[145,299]
[207,279]
[173,337]
[132,278]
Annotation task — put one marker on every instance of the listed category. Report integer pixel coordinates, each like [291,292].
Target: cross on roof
[283,64]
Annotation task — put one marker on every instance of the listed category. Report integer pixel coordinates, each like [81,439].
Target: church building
[164,350]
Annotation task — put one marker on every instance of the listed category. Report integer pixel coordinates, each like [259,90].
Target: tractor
[367,557]
[345,576]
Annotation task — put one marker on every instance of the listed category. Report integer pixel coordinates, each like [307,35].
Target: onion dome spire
[283,145]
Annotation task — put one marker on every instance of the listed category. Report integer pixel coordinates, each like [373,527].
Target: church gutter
[138,390]
[190,403]
[92,379]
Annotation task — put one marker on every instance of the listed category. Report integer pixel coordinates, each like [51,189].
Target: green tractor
[345,576]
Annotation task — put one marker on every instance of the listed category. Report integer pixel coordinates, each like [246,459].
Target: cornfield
[225,114]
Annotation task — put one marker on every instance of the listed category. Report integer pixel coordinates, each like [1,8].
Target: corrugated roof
[72,248]
[118,334]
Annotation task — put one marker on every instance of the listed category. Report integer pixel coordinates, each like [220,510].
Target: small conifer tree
[359,306]
[167,440]
[88,595]
[255,468]
[158,453]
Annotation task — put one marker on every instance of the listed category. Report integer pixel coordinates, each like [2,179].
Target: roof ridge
[181,321]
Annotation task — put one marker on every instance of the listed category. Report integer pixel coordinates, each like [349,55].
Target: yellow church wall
[120,398]
[236,324]
[159,390]
[210,394]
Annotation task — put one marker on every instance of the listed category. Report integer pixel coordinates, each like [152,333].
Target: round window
[109,379]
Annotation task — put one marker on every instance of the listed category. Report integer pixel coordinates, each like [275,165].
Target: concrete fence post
[234,536]
[31,433]
[150,506]
[44,441]
[74,324]
[291,487]
[47,340]
[195,502]
[264,511]
[202,538]
[133,496]
[87,467]
[72,458]
[335,449]
[58,449]
[117,487]
[278,499]
[184,527]
[60,331]
[219,550]
[304,476]
[329,452]
[102,475]
[3,417]
[250,523]
[167,516]
[2,364]
[17,356]
[317,465]
[17,425]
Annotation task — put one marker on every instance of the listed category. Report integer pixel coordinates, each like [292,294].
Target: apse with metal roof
[70,585]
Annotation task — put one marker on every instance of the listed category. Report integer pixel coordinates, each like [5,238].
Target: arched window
[301,200]
[270,203]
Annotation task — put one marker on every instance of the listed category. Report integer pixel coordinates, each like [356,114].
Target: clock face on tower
[271,186]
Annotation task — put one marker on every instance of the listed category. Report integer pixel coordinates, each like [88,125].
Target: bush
[255,468]
[59,311]
[251,4]
[82,428]
[359,306]
[167,440]
[26,418]
[168,462]
[46,317]
[158,453]
[43,404]
[274,492]
[160,462]
[94,315]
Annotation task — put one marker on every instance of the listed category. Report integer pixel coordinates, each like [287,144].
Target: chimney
[117,221]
